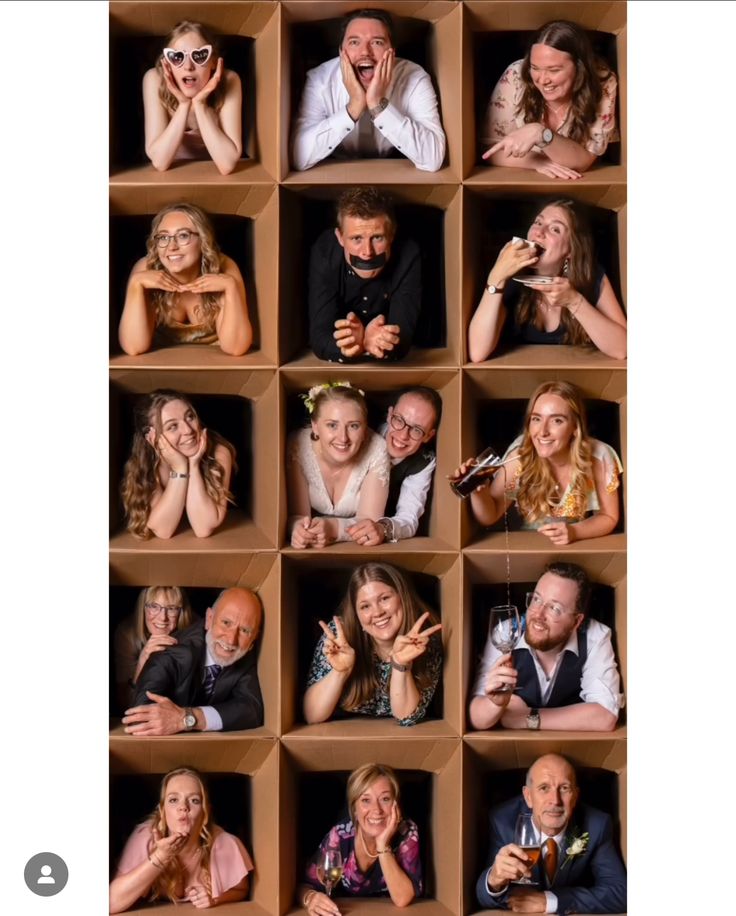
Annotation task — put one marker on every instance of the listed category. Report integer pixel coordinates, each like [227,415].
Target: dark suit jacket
[592,882]
[177,673]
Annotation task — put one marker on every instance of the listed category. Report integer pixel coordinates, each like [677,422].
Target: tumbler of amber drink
[483,468]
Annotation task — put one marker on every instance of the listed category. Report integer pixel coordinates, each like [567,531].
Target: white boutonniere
[577,846]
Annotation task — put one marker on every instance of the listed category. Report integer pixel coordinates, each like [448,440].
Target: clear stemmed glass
[504,629]
[329,868]
[525,836]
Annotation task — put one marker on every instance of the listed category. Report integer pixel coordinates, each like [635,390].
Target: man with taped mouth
[367,102]
[208,681]
[364,283]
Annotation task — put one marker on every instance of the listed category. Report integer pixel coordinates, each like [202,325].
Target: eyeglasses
[198,56]
[171,610]
[183,237]
[415,432]
[536,602]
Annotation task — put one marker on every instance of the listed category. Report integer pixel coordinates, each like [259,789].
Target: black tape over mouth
[374,263]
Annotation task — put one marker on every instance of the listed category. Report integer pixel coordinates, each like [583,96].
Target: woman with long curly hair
[179,853]
[185,290]
[192,105]
[553,111]
[337,469]
[160,611]
[176,468]
[375,658]
[566,297]
[565,484]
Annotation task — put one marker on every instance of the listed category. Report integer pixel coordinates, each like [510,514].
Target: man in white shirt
[367,102]
[563,672]
[575,868]
[410,425]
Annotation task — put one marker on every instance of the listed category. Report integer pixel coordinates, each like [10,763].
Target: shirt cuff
[212,719]
[488,886]
[552,903]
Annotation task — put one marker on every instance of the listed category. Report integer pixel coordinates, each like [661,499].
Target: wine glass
[329,868]
[504,629]
[525,836]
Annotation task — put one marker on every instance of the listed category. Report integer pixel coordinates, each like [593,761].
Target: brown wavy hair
[364,682]
[140,475]
[172,875]
[168,99]
[175,595]
[536,483]
[590,72]
[580,272]
[210,263]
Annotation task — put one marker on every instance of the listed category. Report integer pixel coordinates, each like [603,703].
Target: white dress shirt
[412,497]
[410,123]
[550,898]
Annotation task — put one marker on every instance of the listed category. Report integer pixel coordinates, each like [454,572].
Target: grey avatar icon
[46,874]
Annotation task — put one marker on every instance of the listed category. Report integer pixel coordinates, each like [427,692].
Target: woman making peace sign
[375,659]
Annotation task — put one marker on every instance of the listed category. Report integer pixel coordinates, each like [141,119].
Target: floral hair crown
[311,396]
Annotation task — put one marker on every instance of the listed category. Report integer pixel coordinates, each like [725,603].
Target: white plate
[534,281]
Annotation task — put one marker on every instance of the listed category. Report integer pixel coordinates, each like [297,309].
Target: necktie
[550,852]
[211,673]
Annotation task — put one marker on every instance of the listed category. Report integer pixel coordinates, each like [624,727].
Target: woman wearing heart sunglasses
[191,103]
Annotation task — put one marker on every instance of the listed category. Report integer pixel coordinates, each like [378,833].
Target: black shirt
[335,289]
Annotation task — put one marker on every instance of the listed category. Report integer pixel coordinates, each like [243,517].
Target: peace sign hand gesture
[414,643]
[336,649]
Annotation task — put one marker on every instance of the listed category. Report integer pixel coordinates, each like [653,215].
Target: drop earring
[565,267]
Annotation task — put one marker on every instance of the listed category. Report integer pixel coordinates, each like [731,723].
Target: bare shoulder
[151,80]
[139,266]
[228,266]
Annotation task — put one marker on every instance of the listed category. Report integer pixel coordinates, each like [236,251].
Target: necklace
[556,111]
[365,847]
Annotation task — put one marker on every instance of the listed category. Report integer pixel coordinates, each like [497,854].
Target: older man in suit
[579,869]
[208,681]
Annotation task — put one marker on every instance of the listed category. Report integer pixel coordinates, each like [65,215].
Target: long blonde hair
[216,98]
[364,682]
[536,485]
[140,475]
[172,874]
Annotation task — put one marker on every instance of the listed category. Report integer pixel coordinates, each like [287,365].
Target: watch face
[190,721]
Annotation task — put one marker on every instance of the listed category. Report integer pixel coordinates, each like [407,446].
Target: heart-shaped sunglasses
[198,56]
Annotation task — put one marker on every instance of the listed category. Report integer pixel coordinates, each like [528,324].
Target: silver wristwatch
[547,137]
[532,720]
[190,720]
[377,109]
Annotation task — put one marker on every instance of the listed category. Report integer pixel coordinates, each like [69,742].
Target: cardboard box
[492,215]
[242,406]
[495,34]
[381,387]
[494,771]
[204,576]
[246,221]
[243,775]
[431,767]
[313,587]
[485,585]
[431,216]
[427,33]
[249,35]
[493,408]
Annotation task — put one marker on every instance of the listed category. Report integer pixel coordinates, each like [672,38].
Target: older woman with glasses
[160,611]
[185,290]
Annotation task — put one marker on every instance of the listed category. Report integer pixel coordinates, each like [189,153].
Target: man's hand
[357,103]
[163,717]
[349,335]
[501,674]
[525,900]
[380,338]
[378,88]
[509,865]
[367,533]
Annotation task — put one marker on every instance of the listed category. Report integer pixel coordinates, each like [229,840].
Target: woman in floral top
[380,848]
[553,111]
[376,659]
[564,482]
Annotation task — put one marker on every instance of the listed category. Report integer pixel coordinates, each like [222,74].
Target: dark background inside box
[229,415]
[493,52]
[500,420]
[378,404]
[122,605]
[319,594]
[322,804]
[602,607]
[422,223]
[131,56]
[313,43]
[598,788]
[128,235]
[133,796]
[499,219]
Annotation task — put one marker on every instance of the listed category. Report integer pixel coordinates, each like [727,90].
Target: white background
[681,456]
